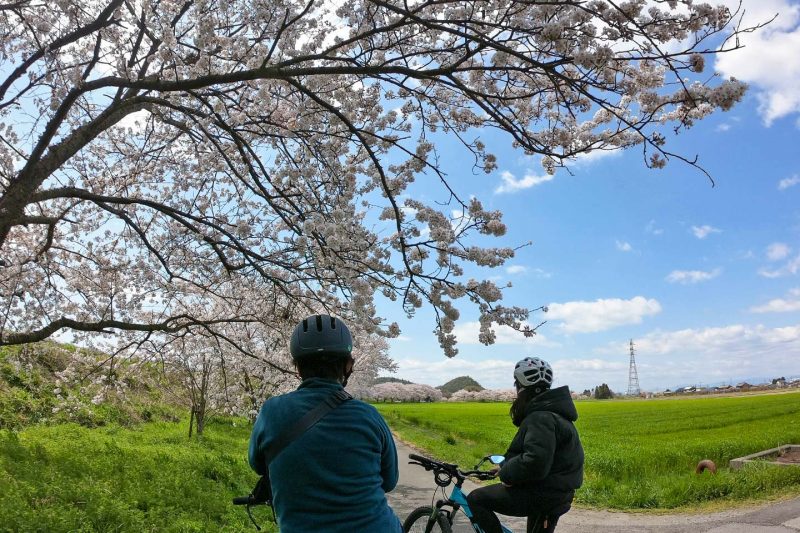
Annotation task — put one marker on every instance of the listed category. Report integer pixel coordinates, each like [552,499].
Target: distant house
[744,386]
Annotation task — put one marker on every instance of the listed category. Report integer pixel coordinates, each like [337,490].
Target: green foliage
[462,382]
[31,392]
[123,475]
[70,478]
[639,454]
[390,379]
[603,392]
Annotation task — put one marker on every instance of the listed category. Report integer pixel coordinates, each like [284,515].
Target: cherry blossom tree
[159,155]
[400,392]
[486,395]
[233,369]
[197,362]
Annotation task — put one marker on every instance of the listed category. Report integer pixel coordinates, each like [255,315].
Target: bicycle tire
[418,521]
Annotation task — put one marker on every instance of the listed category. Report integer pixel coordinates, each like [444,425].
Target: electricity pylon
[633,376]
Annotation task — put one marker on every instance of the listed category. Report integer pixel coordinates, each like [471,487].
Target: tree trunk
[201,417]
[191,423]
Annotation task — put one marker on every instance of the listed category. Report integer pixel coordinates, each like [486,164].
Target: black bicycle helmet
[318,335]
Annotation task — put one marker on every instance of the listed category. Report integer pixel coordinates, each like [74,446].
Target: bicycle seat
[546,521]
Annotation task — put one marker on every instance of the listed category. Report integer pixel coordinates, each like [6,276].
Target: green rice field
[640,454]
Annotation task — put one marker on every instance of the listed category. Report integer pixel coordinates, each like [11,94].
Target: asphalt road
[416,488]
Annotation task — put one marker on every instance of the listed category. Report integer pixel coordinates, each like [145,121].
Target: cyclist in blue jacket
[544,463]
[335,476]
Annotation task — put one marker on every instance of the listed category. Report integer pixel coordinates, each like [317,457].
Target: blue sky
[705,280]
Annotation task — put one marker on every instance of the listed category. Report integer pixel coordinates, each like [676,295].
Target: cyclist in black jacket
[544,462]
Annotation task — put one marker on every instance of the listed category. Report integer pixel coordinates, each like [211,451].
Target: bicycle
[439,519]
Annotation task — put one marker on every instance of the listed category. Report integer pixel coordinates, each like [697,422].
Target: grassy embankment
[145,478]
[639,454]
[125,465]
[151,477]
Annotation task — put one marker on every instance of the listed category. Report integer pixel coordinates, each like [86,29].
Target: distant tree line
[603,392]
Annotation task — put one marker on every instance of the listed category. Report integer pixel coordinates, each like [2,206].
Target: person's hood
[558,400]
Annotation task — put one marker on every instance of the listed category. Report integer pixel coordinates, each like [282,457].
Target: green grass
[151,477]
[639,454]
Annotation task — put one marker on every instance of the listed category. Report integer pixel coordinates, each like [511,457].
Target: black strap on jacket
[304,424]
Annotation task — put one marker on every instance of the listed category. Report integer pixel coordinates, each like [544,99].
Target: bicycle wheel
[419,522]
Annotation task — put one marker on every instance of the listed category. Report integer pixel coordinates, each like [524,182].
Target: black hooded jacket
[546,452]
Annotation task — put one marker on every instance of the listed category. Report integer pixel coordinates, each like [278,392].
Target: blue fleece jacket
[334,477]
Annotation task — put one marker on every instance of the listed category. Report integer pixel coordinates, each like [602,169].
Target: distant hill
[390,379]
[460,383]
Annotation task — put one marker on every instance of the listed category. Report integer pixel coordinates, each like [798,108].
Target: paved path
[416,488]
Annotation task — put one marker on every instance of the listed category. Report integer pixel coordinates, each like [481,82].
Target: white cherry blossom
[168,167]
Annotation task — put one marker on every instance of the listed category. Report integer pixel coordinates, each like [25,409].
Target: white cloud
[135,121]
[769,61]
[491,373]
[511,184]
[701,232]
[589,158]
[777,251]
[785,183]
[781,305]
[723,127]
[790,268]
[587,373]
[709,355]
[733,340]
[467,333]
[459,219]
[541,273]
[588,364]
[664,359]
[687,277]
[623,246]
[652,229]
[498,373]
[602,314]
[516,269]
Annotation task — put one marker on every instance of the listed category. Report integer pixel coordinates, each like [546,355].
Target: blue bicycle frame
[457,497]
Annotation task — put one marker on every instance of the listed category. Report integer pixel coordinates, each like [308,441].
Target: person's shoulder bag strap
[304,424]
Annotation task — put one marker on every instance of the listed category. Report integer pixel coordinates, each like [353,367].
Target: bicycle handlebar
[244,500]
[430,464]
[483,475]
[451,469]
[261,495]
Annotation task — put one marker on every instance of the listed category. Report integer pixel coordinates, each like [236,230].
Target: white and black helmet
[533,371]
